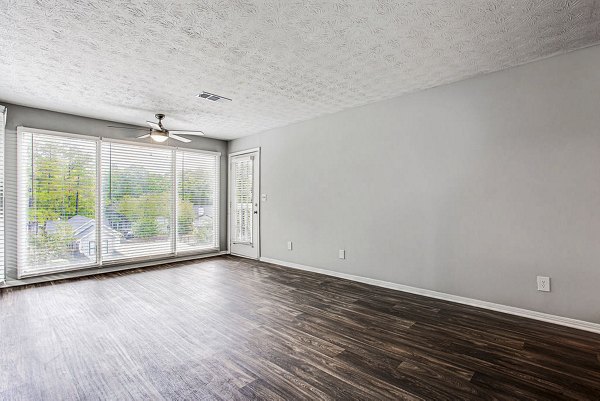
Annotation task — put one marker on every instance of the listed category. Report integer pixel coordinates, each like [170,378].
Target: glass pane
[197,208]
[57,210]
[137,200]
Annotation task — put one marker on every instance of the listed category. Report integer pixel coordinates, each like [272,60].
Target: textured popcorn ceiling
[280,61]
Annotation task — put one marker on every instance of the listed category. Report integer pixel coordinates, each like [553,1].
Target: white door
[244,211]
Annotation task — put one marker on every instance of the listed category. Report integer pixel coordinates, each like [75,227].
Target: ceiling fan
[158,133]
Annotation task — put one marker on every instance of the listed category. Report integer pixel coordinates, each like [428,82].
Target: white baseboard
[545,317]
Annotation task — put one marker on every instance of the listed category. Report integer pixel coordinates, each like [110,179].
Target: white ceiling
[281,61]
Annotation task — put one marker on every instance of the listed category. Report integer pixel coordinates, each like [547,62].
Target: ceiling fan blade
[154,125]
[179,138]
[143,136]
[138,129]
[187,132]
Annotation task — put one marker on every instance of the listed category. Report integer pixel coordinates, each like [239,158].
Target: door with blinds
[244,206]
[2,125]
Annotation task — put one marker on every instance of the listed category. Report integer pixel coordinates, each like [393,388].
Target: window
[153,201]
[198,204]
[137,199]
[57,201]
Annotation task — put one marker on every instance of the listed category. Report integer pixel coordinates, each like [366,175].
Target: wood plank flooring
[230,328]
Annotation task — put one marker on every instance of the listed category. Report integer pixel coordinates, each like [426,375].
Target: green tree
[185,217]
[194,186]
[144,212]
[62,184]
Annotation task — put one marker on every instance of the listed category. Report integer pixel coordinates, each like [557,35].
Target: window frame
[99,140]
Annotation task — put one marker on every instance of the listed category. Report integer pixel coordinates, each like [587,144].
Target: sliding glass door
[57,203]
[137,201]
[151,201]
[198,202]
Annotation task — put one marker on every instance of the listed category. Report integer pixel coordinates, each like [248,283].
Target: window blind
[2,126]
[56,195]
[197,201]
[137,201]
[242,198]
[152,201]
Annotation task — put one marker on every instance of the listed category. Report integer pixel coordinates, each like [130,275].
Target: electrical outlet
[342,254]
[289,245]
[543,283]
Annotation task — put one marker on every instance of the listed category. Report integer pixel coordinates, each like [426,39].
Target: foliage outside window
[59,200]
[58,179]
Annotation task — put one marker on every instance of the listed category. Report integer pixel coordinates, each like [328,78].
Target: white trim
[545,317]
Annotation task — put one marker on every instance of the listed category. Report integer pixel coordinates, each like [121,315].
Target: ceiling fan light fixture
[158,136]
[158,133]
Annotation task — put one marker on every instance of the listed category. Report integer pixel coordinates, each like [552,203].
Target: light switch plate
[342,254]
[263,197]
[289,245]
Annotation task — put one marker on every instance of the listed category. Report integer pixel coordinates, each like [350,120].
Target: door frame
[229,199]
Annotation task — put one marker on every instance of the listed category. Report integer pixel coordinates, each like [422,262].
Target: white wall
[471,189]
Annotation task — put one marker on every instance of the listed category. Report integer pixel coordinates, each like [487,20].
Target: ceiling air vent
[212,97]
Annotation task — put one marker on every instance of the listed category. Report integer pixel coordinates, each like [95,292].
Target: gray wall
[49,120]
[471,189]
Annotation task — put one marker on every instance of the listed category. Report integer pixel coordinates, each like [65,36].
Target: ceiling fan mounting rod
[159,116]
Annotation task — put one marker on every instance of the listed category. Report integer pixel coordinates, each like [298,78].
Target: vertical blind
[2,125]
[56,202]
[152,202]
[242,197]
[197,201]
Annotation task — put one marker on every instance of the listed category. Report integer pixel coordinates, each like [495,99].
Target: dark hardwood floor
[229,328]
